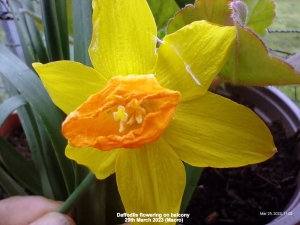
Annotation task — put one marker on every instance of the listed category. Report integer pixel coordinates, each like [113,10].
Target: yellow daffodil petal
[69,83]
[190,58]
[102,164]
[150,179]
[124,37]
[214,131]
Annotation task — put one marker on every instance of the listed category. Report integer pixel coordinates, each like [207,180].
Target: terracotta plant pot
[10,124]
[271,105]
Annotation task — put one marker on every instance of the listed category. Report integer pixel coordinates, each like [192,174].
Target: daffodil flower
[141,111]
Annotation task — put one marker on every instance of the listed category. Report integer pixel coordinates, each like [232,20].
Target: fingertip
[54,218]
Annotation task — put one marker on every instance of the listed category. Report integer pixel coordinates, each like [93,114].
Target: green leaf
[251,64]
[162,11]
[50,173]
[192,178]
[10,105]
[95,193]
[30,127]
[30,86]
[33,32]
[70,17]
[21,169]
[36,144]
[62,22]
[52,30]
[39,143]
[77,193]
[10,186]
[82,17]
[261,14]
[215,11]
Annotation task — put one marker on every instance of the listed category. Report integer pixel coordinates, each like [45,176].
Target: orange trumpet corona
[129,112]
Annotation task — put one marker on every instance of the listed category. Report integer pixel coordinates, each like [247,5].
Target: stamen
[122,127]
[131,120]
[121,116]
[139,119]
[137,114]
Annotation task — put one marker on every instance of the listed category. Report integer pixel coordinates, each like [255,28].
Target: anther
[121,116]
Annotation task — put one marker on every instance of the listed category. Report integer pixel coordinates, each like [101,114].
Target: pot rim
[11,123]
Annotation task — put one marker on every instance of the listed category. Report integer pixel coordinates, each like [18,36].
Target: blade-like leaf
[82,17]
[192,178]
[95,193]
[70,17]
[62,22]
[30,86]
[30,127]
[34,33]
[21,169]
[9,185]
[52,30]
[35,143]
[46,156]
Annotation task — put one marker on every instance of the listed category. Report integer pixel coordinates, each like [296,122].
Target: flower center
[121,116]
[137,114]
[129,112]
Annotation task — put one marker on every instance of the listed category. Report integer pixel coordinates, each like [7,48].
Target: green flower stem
[77,193]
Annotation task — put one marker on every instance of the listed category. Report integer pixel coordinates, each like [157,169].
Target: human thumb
[54,218]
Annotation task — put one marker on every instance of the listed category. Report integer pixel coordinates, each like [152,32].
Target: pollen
[121,116]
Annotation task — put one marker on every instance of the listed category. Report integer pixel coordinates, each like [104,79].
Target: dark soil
[239,196]
[19,141]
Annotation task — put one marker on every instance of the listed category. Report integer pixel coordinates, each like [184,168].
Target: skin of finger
[23,210]
[54,218]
